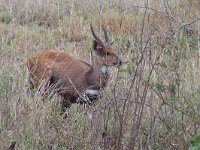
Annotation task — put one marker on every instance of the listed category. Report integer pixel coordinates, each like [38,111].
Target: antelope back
[60,68]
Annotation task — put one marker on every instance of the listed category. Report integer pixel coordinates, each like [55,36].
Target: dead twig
[189,23]
[12,146]
[166,14]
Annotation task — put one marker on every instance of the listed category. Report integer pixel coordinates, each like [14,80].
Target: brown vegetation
[150,102]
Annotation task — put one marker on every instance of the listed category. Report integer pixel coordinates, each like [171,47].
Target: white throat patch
[104,69]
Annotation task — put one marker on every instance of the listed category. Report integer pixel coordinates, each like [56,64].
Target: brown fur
[60,67]
[71,76]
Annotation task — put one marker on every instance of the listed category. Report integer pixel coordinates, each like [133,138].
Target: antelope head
[104,51]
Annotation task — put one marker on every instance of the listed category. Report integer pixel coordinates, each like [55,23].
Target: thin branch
[189,23]
[166,14]
[143,7]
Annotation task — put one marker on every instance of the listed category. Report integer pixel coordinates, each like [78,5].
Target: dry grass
[152,101]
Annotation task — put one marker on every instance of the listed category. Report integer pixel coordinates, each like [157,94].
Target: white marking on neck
[92,92]
[104,69]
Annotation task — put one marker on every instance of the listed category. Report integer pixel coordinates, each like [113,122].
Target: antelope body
[72,76]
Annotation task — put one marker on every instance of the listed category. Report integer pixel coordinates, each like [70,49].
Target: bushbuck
[73,79]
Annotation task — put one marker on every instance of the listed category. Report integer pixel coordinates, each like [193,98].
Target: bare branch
[152,9]
[189,23]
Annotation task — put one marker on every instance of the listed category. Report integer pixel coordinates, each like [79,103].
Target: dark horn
[106,35]
[96,37]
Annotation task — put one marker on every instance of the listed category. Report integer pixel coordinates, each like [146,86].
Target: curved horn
[96,37]
[106,35]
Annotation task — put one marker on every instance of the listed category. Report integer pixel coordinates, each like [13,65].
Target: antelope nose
[120,62]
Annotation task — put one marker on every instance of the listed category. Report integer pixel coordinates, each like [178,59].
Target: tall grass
[151,101]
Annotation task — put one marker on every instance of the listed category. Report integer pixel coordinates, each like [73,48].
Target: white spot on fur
[104,69]
[92,92]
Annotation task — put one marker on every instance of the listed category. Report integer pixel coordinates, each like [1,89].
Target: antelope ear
[97,47]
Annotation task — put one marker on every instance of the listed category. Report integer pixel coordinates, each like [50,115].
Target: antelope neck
[97,76]
[99,68]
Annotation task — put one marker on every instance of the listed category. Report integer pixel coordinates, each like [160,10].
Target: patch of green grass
[195,143]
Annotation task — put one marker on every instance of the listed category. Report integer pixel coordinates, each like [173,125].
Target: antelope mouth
[118,64]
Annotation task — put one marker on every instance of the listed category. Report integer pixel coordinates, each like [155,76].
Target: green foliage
[5,17]
[172,90]
[130,69]
[158,87]
[195,143]
[30,140]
